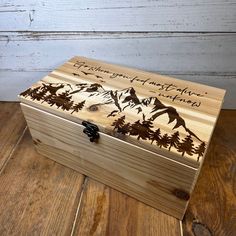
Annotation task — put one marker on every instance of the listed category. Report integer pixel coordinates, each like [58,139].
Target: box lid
[174,118]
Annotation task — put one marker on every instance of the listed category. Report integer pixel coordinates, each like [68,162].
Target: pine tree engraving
[135,128]
[142,130]
[186,146]
[174,140]
[77,107]
[118,124]
[33,93]
[147,130]
[55,94]
[26,93]
[52,89]
[40,94]
[121,126]
[200,150]
[156,136]
[62,101]
[66,101]
[164,141]
[125,129]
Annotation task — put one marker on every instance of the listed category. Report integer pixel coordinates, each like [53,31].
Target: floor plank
[37,195]
[212,208]
[12,125]
[104,211]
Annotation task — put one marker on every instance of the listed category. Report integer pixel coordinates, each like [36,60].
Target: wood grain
[10,86]
[207,58]
[121,15]
[105,211]
[120,92]
[12,125]
[37,195]
[212,208]
[147,176]
[183,53]
[28,176]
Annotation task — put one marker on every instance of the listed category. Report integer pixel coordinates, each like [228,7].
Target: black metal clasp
[91,130]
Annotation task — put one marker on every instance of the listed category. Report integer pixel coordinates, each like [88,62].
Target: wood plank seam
[72,35]
[12,151]
[83,188]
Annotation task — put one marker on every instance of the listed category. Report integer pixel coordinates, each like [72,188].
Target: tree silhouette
[143,130]
[135,128]
[156,136]
[174,140]
[200,150]
[31,92]
[66,101]
[36,94]
[164,141]
[62,100]
[52,89]
[39,94]
[124,129]
[118,124]
[26,93]
[78,106]
[122,99]
[186,146]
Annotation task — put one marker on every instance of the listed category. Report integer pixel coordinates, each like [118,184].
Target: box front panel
[153,179]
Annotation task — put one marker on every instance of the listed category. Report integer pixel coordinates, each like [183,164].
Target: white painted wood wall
[192,40]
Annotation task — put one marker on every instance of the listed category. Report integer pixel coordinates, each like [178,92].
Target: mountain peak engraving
[121,102]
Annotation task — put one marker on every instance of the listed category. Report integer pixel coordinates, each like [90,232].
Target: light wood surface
[151,178]
[25,79]
[153,130]
[205,58]
[108,93]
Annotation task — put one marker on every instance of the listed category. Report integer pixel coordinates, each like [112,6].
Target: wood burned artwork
[141,133]
[61,96]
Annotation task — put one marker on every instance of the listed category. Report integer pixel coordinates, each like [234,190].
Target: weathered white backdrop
[192,40]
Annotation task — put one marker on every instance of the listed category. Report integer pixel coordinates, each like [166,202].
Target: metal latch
[91,130]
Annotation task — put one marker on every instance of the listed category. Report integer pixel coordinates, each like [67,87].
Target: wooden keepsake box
[141,133]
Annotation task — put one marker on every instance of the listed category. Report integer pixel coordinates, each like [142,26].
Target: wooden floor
[41,197]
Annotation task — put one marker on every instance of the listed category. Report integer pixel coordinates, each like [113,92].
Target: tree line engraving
[144,130]
[61,96]
[48,93]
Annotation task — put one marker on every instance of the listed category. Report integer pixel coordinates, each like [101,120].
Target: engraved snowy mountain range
[61,95]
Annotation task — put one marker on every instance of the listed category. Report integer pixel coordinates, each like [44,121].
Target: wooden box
[141,133]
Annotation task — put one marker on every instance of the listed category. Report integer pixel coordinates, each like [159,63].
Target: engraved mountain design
[61,96]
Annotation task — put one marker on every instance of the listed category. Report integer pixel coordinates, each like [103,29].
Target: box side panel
[152,179]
